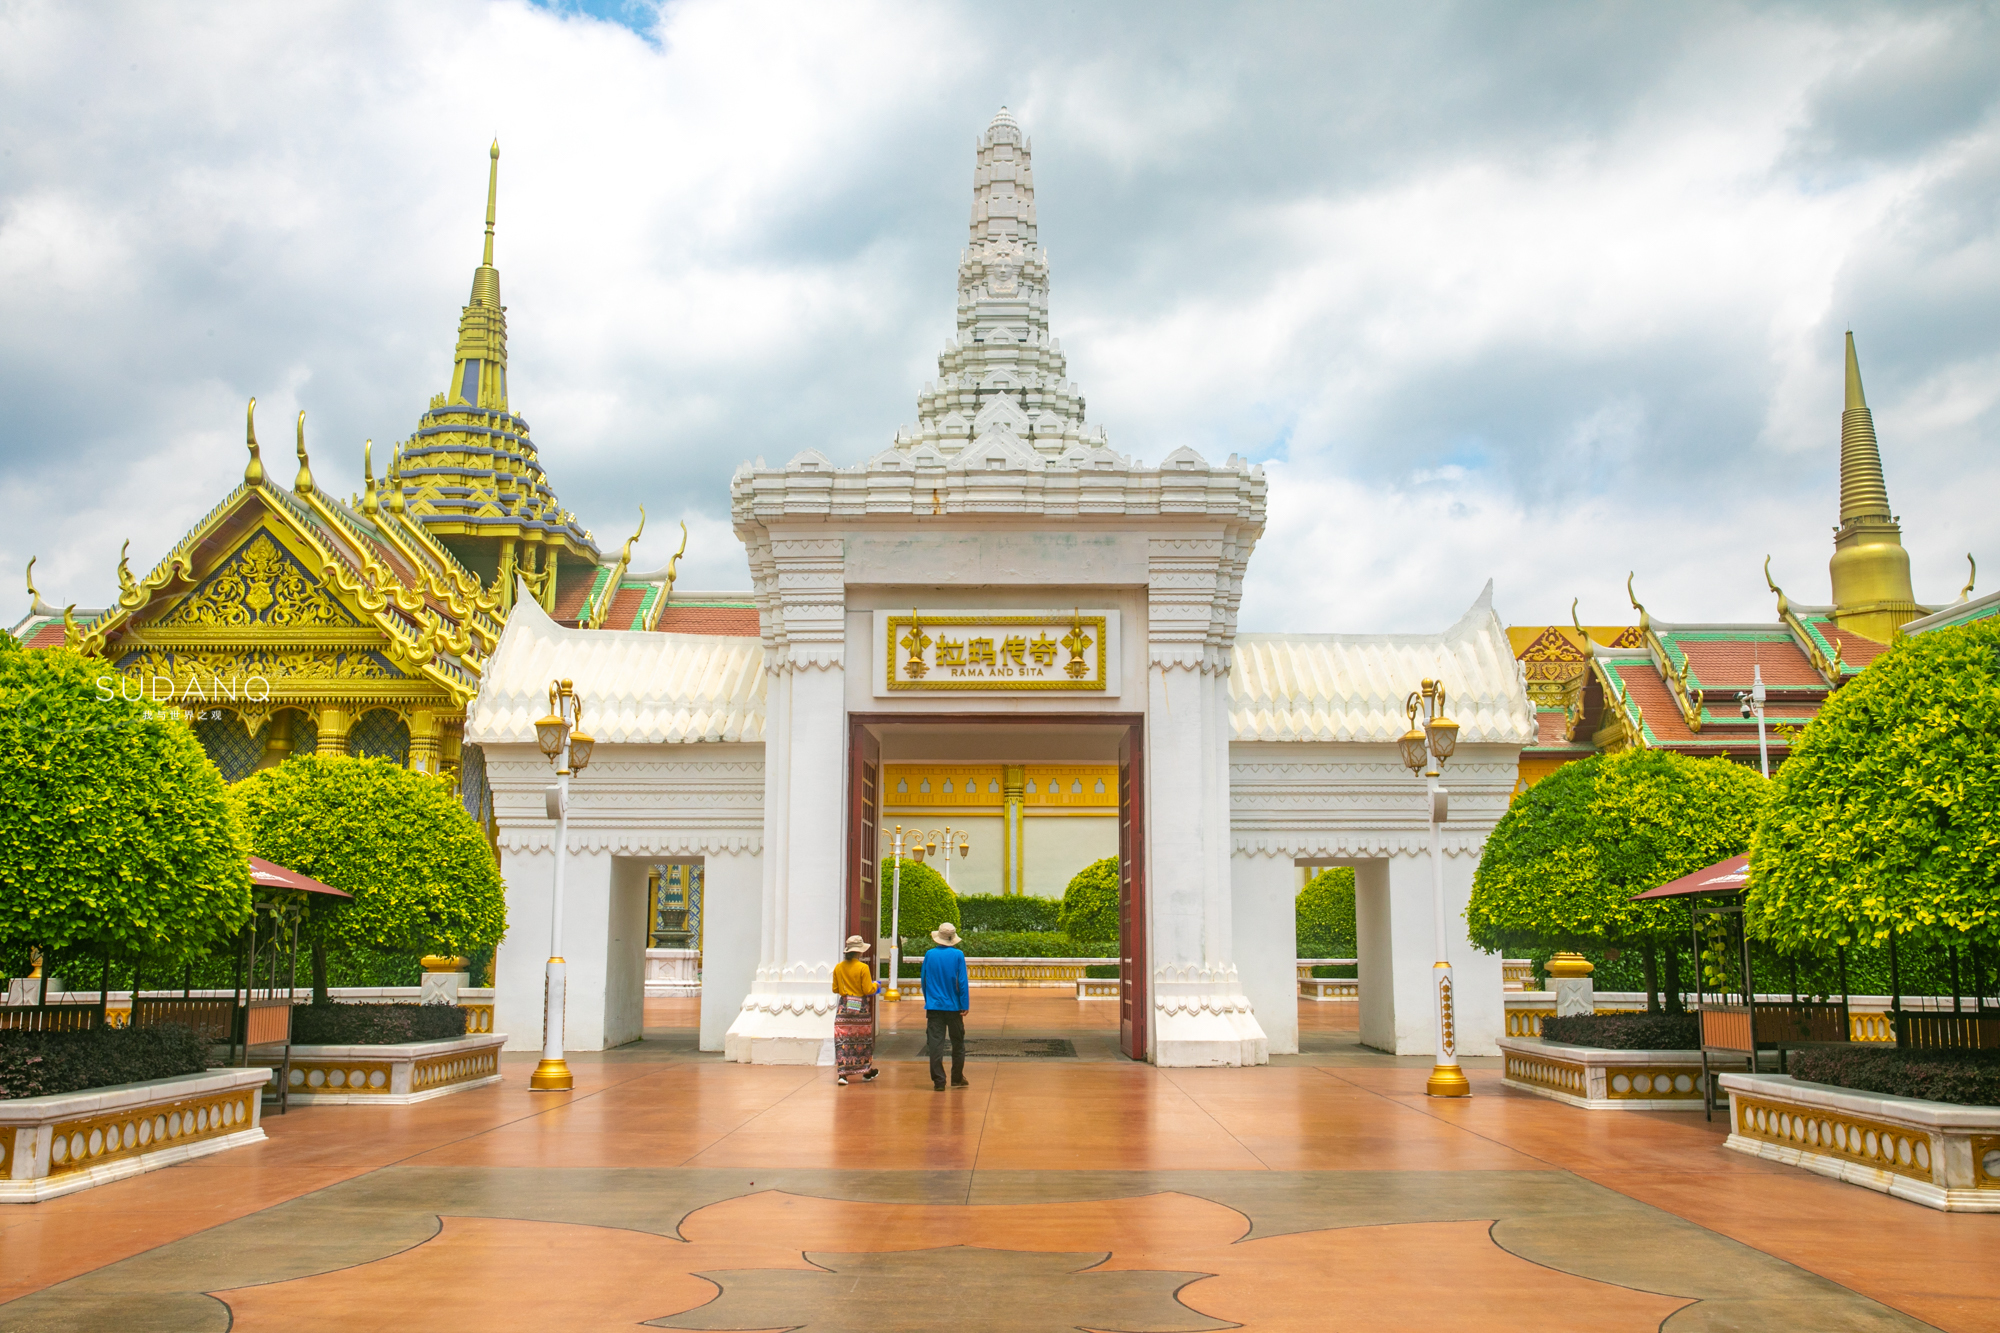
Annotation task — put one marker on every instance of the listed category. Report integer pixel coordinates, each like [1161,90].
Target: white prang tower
[1003,373]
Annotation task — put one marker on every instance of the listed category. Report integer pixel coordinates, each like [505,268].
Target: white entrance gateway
[998,585]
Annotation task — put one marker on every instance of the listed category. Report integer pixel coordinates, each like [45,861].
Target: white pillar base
[1574,995]
[787,1019]
[1202,1019]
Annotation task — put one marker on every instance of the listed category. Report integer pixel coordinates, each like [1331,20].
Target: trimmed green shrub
[375,1024]
[1027,944]
[1886,818]
[1102,971]
[1326,915]
[1334,971]
[1090,905]
[421,873]
[43,1064]
[1965,1078]
[928,901]
[116,835]
[1626,1032]
[991,911]
[1563,863]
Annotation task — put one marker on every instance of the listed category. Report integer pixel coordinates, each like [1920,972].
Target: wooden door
[864,841]
[1133,991]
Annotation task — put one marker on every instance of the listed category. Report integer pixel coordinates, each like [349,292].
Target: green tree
[1561,866]
[1326,915]
[1090,904]
[116,835]
[422,876]
[1885,822]
[928,901]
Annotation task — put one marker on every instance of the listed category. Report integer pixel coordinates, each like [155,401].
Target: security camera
[1743,701]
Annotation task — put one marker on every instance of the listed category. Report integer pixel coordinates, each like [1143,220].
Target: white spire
[1003,373]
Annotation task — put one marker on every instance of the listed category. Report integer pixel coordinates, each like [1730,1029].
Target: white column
[732,889]
[1200,1014]
[1380,916]
[625,951]
[787,1018]
[1407,1026]
[1263,894]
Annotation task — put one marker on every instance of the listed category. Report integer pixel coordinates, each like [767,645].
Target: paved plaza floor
[673,1190]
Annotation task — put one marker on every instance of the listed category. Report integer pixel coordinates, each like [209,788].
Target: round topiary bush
[422,876]
[928,901]
[1090,904]
[116,835]
[1561,866]
[1326,915]
[1885,821]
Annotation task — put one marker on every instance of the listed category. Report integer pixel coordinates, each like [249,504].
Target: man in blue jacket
[947,998]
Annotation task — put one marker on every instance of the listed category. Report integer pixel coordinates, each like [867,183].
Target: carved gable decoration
[260,585]
[1630,637]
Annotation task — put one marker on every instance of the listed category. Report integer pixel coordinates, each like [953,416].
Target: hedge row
[1018,944]
[41,1064]
[375,1024]
[990,911]
[1626,1032]
[1968,1078]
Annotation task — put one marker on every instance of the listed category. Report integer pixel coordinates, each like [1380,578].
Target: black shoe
[937,1087]
[869,1075]
[842,1080]
[960,1083]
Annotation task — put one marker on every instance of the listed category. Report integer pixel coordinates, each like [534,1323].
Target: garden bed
[1599,1078]
[390,1074]
[1941,1155]
[1960,1078]
[375,1024]
[52,1064]
[1625,1031]
[57,1144]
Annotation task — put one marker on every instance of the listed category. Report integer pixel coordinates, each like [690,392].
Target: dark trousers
[938,1024]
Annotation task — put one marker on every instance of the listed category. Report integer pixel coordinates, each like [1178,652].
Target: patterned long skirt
[854,1038]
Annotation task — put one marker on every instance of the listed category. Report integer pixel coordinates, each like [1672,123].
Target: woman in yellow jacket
[854,1014]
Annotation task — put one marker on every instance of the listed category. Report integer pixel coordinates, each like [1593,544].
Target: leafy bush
[1626,1032]
[1886,818]
[1563,863]
[41,1064]
[1326,915]
[1090,905]
[1330,971]
[421,873]
[1102,971]
[989,911]
[375,1024]
[928,901]
[116,836]
[1966,1078]
[1027,944]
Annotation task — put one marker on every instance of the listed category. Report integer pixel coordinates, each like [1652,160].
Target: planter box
[51,1146]
[393,1075]
[1097,988]
[1602,1080]
[1937,1154]
[1330,988]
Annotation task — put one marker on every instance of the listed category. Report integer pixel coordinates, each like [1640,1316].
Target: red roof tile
[1725,664]
[1663,716]
[732,621]
[572,587]
[48,636]
[1856,650]
[625,608]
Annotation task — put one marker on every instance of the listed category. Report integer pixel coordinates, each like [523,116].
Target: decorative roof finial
[1581,632]
[1645,622]
[673,565]
[625,557]
[36,605]
[253,471]
[1971,577]
[369,505]
[72,632]
[396,481]
[1863,493]
[492,195]
[1783,604]
[128,587]
[304,484]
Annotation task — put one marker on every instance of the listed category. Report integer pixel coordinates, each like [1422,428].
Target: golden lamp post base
[551,1076]
[892,995]
[1447,1081]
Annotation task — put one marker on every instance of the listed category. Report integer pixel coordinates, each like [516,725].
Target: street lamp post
[569,750]
[1752,701]
[927,845]
[1425,748]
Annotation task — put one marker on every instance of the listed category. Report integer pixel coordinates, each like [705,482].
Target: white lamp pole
[1757,700]
[893,993]
[1426,748]
[569,750]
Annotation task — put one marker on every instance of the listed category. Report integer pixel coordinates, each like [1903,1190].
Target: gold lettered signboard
[959,651]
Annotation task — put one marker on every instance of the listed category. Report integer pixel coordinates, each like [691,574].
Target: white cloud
[1545,300]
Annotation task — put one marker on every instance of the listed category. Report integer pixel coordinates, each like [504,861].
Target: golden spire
[492,194]
[304,484]
[1870,569]
[253,471]
[368,502]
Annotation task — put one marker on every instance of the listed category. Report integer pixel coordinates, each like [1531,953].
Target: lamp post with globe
[1426,746]
[568,749]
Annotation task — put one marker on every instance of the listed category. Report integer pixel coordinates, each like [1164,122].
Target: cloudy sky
[1532,293]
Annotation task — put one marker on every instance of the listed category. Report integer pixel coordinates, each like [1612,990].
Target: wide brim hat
[855,944]
[946,934]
